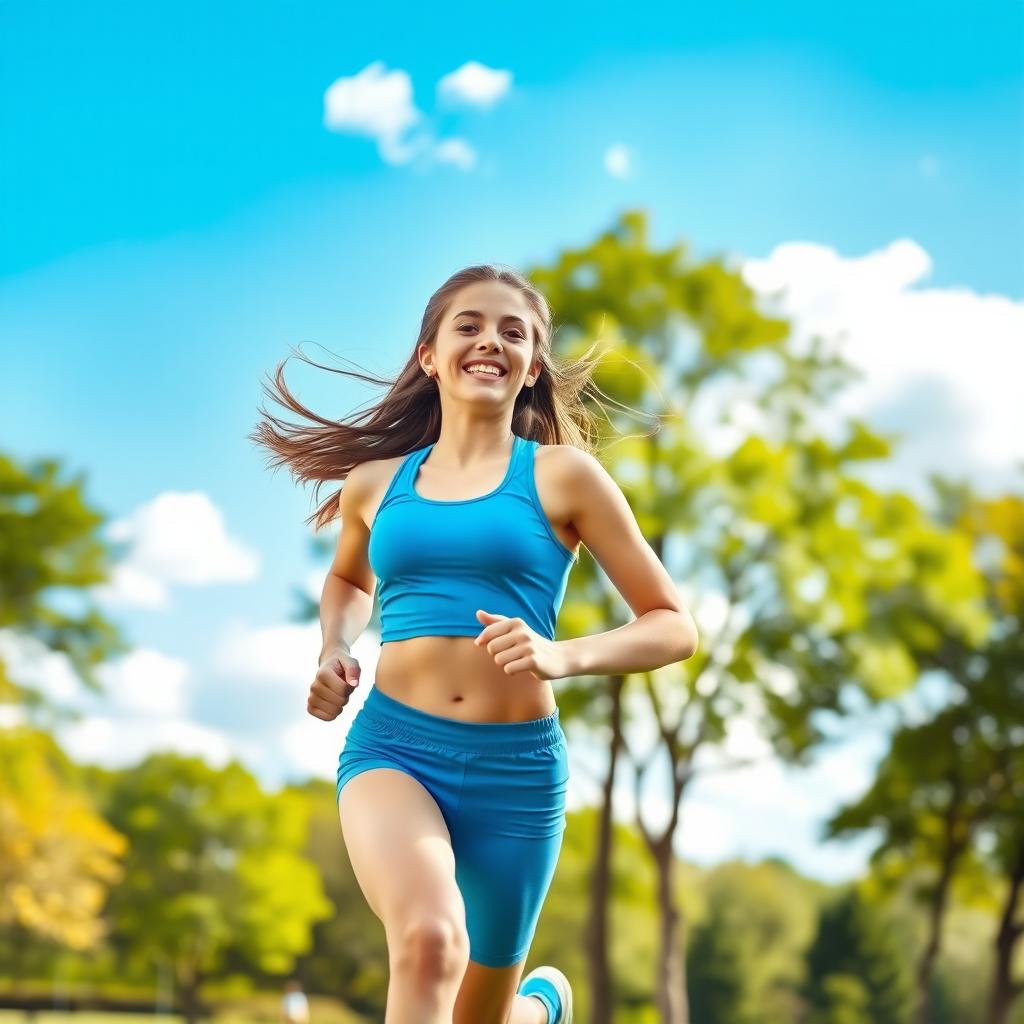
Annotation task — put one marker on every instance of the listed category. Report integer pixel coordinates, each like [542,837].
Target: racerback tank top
[437,562]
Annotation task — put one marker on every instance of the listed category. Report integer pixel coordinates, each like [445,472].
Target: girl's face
[490,321]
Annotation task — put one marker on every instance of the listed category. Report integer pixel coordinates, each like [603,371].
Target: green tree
[855,941]
[844,1000]
[770,915]
[829,585]
[931,792]
[49,543]
[956,779]
[214,866]
[57,857]
[718,971]
[994,679]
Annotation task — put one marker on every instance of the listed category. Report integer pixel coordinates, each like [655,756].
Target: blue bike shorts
[500,787]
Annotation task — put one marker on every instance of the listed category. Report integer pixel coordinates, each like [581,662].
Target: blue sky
[188,190]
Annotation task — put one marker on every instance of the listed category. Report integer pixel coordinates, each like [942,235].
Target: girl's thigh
[400,849]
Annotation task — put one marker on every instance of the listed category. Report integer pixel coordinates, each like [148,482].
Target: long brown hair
[409,415]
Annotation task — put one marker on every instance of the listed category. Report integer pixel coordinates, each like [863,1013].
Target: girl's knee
[431,946]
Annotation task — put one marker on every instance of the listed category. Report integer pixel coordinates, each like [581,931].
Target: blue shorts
[500,787]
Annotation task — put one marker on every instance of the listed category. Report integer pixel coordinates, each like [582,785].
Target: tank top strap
[401,482]
[522,467]
[407,471]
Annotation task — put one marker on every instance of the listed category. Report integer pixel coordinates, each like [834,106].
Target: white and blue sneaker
[551,987]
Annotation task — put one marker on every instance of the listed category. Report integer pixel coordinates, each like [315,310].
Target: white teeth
[492,370]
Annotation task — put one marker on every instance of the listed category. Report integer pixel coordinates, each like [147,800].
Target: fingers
[322,710]
[331,679]
[331,690]
[333,684]
[501,643]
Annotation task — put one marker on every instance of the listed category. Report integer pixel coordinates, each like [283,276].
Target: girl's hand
[517,648]
[335,680]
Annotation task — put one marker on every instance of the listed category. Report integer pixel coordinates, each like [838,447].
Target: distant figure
[294,1005]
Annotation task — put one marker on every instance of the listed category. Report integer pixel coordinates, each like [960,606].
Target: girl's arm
[663,631]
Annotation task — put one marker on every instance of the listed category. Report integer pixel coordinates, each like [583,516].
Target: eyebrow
[477,313]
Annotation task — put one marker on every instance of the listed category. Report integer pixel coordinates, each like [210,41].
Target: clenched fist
[335,680]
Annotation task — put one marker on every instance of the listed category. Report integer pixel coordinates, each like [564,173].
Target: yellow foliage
[58,858]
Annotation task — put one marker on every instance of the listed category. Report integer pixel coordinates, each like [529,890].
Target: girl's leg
[489,994]
[401,854]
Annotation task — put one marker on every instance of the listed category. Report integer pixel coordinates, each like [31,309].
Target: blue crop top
[437,562]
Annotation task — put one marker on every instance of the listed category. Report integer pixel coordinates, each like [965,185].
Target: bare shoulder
[365,486]
[567,464]
[580,479]
[561,473]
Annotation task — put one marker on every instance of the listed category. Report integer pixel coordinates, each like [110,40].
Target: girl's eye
[512,330]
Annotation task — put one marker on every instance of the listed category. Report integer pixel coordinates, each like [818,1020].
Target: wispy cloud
[940,366]
[618,161]
[115,743]
[378,103]
[177,538]
[474,84]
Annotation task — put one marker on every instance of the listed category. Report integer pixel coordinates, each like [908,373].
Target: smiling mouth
[484,375]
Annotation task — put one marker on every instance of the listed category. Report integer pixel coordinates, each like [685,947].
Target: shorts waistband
[403,721]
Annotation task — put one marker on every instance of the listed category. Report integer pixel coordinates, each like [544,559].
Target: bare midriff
[449,675]
[452,677]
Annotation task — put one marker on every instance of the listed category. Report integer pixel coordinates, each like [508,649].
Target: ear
[426,365]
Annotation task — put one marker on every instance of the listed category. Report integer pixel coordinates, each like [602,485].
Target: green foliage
[718,963]
[49,543]
[855,941]
[214,866]
[844,1000]
[766,913]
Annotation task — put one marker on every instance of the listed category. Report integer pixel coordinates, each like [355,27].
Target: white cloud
[132,587]
[378,104]
[31,663]
[143,682]
[177,538]
[142,704]
[940,366]
[972,343]
[618,161]
[114,743]
[474,84]
[146,683]
[279,655]
[457,152]
[309,745]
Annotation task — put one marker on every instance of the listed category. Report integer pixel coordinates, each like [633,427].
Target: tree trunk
[937,913]
[1004,989]
[189,982]
[596,939]
[672,1002]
